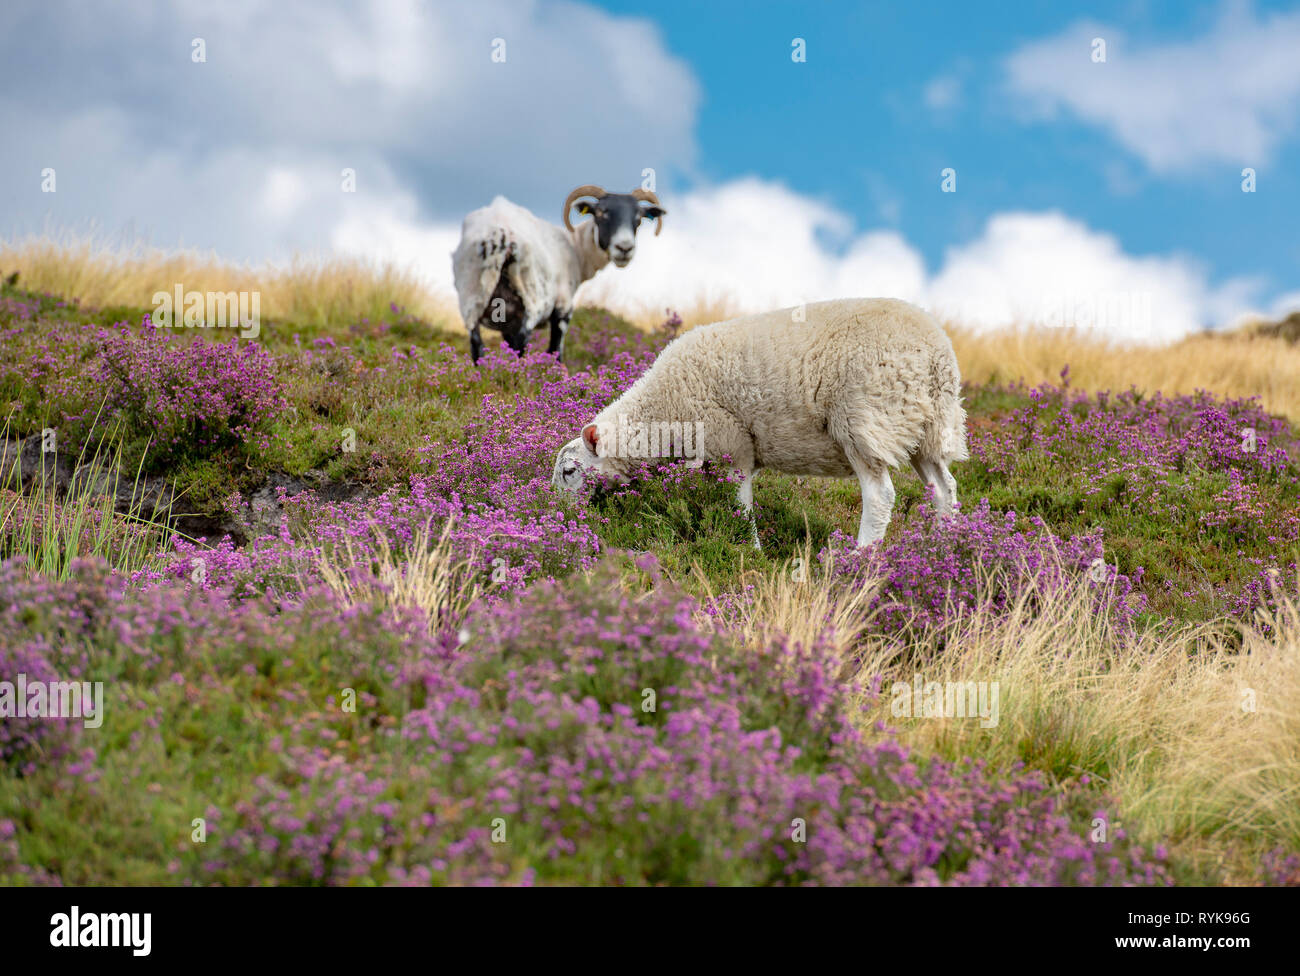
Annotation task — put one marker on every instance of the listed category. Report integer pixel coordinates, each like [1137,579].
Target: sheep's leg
[475,345]
[745,495]
[936,474]
[850,432]
[877,499]
[559,329]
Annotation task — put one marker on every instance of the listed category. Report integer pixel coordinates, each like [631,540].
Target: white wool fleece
[856,387]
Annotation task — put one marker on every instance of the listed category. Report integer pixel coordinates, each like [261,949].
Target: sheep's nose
[624,250]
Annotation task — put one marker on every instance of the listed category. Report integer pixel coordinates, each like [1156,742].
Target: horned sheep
[514,271]
[838,388]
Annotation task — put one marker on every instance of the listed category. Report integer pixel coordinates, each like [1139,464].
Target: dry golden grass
[1163,722]
[431,577]
[1237,363]
[311,292]
[798,602]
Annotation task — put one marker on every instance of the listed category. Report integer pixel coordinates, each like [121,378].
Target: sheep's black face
[617,217]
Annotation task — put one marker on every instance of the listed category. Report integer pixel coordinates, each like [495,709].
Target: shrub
[193,398]
[977,561]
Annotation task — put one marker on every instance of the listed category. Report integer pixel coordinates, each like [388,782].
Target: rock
[261,511]
[149,497]
[22,462]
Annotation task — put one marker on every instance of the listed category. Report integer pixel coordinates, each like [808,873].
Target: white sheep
[514,271]
[847,387]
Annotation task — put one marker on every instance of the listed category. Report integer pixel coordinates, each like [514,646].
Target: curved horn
[589,190]
[649,197]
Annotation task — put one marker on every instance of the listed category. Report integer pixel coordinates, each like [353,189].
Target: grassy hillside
[343,620]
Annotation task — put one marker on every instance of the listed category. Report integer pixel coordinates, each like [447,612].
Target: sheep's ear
[584,207]
[653,213]
[590,437]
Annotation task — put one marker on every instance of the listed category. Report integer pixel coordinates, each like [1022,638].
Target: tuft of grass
[795,600]
[52,533]
[430,576]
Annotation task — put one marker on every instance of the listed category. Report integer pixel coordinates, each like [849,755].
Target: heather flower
[977,561]
[194,396]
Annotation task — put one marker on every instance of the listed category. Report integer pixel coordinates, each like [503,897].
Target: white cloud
[285,192]
[242,153]
[1278,308]
[1229,96]
[1045,268]
[393,234]
[389,43]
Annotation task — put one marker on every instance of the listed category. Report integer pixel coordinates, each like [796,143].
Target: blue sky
[852,124]
[784,181]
